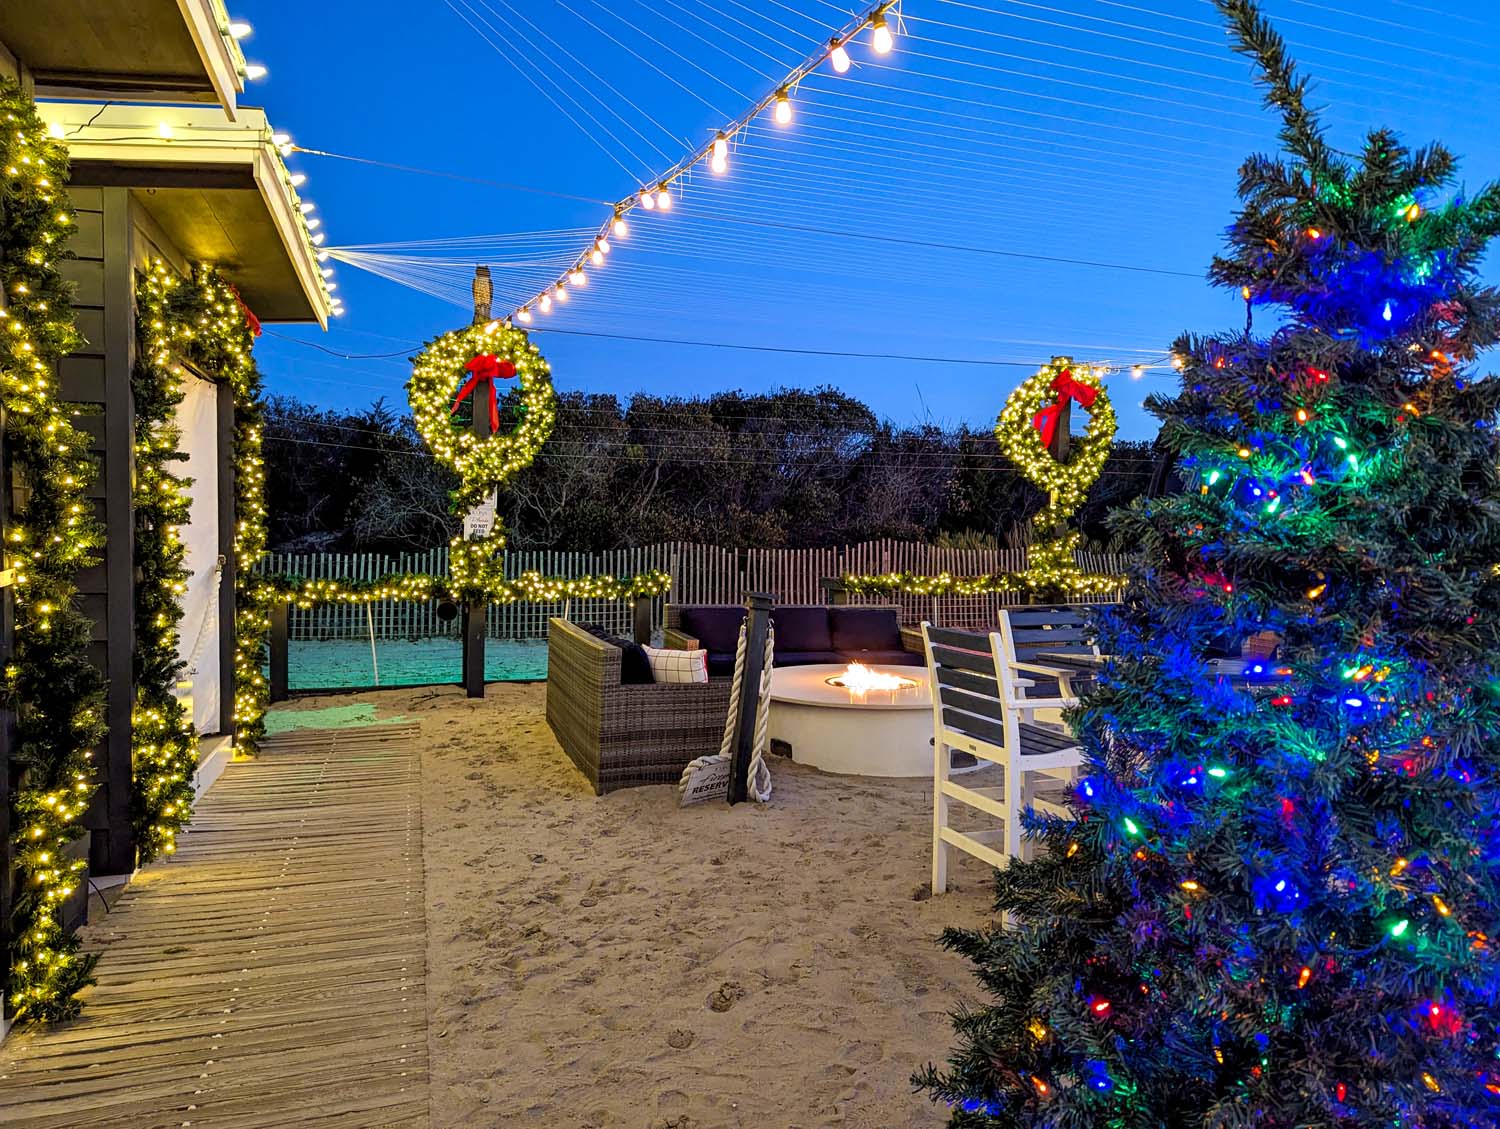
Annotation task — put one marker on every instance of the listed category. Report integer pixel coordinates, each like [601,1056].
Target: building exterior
[166,167]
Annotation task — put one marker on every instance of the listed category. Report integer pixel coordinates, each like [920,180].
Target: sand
[621,961]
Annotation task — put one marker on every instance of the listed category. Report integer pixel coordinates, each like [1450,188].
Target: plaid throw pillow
[677,666]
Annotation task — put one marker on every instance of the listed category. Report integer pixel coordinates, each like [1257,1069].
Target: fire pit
[860,720]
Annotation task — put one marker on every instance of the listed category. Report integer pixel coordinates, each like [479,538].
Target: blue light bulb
[1386,313]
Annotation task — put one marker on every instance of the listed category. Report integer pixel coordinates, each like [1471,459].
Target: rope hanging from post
[760,773]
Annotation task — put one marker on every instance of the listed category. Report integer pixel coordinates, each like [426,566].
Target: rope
[209,624]
[759,784]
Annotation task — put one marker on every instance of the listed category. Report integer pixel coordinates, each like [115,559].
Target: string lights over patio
[657,194]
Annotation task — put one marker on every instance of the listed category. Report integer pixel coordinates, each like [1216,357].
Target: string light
[716,152]
[255,71]
[240,29]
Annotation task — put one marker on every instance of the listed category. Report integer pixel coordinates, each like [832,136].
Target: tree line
[789,468]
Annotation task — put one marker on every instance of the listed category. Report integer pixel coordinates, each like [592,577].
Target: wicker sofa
[805,634]
[621,735]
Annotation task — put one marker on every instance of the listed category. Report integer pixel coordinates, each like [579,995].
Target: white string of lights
[657,194]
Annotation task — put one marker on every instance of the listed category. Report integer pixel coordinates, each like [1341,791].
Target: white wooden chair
[980,705]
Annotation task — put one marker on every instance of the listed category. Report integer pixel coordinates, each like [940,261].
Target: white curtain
[198,641]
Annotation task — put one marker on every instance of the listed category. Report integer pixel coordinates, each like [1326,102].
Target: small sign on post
[480,521]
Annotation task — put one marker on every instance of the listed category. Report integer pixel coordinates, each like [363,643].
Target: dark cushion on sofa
[720,665]
[884,658]
[864,629]
[806,658]
[635,667]
[717,629]
[802,629]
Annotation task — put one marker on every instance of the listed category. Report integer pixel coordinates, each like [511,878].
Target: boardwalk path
[272,974]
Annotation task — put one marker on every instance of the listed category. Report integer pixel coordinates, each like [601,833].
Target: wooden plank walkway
[271,974]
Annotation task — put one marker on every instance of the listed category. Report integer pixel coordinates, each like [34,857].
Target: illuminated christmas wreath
[1030,417]
[475,362]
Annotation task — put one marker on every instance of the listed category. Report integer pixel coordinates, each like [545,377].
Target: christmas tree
[1277,904]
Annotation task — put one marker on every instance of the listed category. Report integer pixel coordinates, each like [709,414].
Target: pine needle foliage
[1277,901]
[57,693]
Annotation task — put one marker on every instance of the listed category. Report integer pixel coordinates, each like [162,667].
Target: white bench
[980,705]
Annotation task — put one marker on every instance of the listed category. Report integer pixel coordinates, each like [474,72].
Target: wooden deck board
[273,973]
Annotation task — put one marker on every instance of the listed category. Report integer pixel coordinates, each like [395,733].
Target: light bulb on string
[578,278]
[561,292]
[545,303]
[620,227]
[240,29]
[523,316]
[720,160]
[783,108]
[648,200]
[597,257]
[664,199]
[255,71]
[880,34]
[298,179]
[603,245]
[839,57]
[1386,313]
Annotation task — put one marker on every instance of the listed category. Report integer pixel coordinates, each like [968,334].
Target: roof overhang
[218,190]
[128,50]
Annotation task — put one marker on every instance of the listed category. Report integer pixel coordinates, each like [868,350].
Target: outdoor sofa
[805,634]
[621,734]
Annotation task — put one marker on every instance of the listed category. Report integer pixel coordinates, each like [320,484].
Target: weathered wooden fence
[701,574]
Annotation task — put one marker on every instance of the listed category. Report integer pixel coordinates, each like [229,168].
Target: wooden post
[1062,437]
[643,620]
[758,624]
[473,645]
[281,616]
[476,612]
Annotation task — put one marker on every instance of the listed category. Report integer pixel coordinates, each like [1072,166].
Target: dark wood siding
[97,380]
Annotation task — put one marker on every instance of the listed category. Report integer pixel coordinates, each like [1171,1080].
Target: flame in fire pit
[860,679]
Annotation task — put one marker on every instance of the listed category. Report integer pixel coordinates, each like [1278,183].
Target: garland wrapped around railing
[420,587]
[1043,578]
[57,693]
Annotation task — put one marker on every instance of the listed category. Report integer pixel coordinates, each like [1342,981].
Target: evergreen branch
[1286,91]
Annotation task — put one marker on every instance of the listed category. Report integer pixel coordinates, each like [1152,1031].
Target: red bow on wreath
[485,369]
[1066,387]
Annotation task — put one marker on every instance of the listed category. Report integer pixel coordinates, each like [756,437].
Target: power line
[842,353]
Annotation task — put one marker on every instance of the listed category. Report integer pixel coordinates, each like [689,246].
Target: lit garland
[1023,431]
[1052,571]
[204,321]
[56,691]
[164,745]
[420,587]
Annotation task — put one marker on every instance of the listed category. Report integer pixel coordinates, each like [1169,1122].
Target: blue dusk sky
[1015,180]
